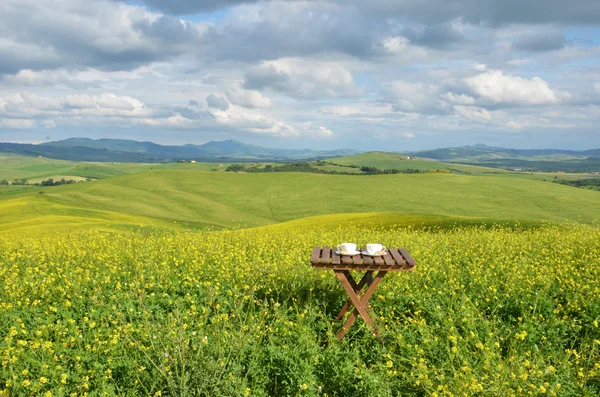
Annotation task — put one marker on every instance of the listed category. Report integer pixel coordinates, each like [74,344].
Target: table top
[395,260]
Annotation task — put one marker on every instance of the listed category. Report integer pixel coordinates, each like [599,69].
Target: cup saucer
[337,251]
[379,253]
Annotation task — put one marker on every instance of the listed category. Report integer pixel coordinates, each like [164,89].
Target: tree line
[47,182]
[303,166]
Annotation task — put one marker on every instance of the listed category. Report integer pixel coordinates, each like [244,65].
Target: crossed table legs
[361,303]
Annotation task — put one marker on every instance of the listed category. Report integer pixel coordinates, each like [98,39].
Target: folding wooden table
[395,260]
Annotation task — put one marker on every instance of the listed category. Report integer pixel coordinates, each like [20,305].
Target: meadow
[186,282]
[488,311]
[196,200]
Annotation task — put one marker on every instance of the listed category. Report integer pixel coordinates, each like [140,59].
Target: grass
[35,168]
[196,199]
[487,312]
[384,160]
[131,290]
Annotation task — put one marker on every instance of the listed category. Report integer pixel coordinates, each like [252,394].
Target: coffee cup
[373,249]
[347,247]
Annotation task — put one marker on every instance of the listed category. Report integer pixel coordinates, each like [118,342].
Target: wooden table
[395,260]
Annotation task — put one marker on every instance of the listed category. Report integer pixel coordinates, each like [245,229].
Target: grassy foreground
[489,312]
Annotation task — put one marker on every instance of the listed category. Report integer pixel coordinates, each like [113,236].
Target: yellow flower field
[498,312]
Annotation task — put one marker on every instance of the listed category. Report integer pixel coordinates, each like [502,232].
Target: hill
[118,150]
[544,160]
[194,199]
[483,152]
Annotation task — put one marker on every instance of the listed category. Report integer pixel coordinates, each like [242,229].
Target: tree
[235,168]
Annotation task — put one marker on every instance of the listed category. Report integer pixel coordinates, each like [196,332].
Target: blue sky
[375,75]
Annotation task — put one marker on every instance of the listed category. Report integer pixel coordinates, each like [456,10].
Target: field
[190,282]
[242,313]
[34,168]
[199,200]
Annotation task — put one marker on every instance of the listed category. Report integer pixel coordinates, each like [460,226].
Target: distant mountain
[481,152]
[120,150]
[517,159]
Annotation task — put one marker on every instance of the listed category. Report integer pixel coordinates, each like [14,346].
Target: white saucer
[337,252]
[365,252]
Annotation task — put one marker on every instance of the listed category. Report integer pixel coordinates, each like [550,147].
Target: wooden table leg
[366,279]
[360,304]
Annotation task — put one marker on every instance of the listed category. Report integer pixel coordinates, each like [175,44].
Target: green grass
[35,168]
[200,199]
[486,312]
[384,160]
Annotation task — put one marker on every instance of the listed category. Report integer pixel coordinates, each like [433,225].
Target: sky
[321,74]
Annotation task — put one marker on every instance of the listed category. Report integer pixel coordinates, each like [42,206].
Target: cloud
[316,131]
[248,98]
[246,119]
[340,110]
[478,115]
[495,12]
[540,40]
[180,7]
[17,124]
[302,79]
[42,35]
[408,135]
[217,102]
[103,108]
[414,98]
[497,88]
[490,12]
[440,36]
[281,29]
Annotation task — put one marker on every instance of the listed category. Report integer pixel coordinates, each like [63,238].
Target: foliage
[52,182]
[593,183]
[20,181]
[489,312]
[235,168]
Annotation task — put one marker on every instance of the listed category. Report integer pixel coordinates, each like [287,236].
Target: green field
[174,279]
[196,199]
[241,313]
[35,168]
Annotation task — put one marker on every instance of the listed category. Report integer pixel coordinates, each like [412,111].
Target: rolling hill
[196,199]
[118,150]
[541,160]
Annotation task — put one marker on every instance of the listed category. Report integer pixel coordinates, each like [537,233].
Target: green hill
[16,166]
[386,160]
[192,199]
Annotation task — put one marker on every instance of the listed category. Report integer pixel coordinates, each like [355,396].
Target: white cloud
[250,120]
[478,115]
[17,124]
[496,87]
[459,99]
[248,98]
[173,121]
[340,110]
[317,131]
[302,78]
[48,123]
[408,135]
[414,97]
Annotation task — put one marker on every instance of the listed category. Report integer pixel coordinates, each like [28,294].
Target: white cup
[347,247]
[373,249]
